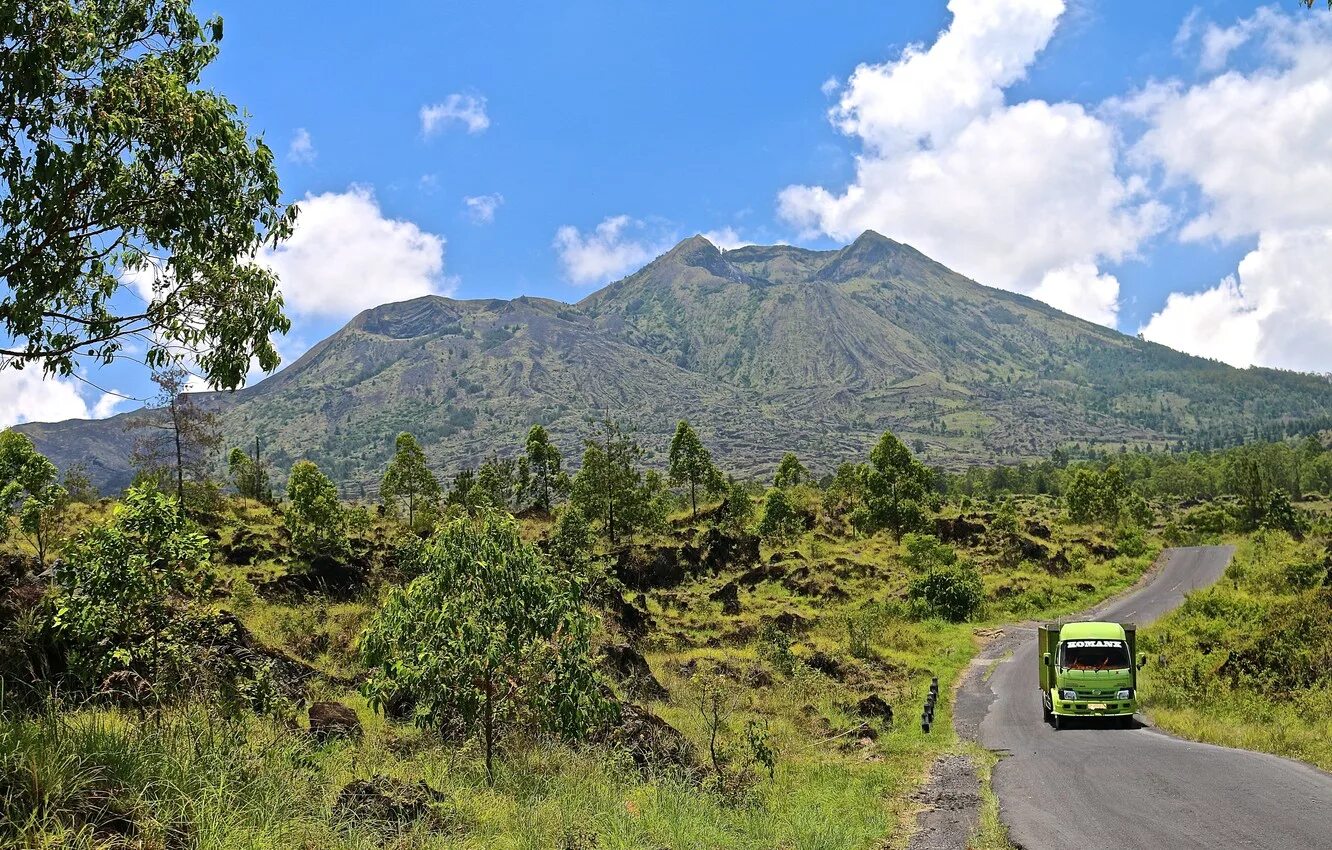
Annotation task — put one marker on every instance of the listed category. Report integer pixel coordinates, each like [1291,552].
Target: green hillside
[759,347]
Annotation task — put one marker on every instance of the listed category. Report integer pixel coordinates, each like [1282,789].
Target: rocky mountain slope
[764,349]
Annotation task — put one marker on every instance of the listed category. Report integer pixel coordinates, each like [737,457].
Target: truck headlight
[1068,695]
[1127,693]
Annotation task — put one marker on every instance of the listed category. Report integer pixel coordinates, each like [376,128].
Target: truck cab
[1088,670]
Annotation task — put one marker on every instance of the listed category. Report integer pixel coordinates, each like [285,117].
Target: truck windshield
[1093,655]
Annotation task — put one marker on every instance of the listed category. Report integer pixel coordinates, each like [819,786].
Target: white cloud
[609,252]
[1256,145]
[1025,197]
[346,255]
[30,397]
[466,109]
[481,208]
[726,238]
[830,86]
[302,149]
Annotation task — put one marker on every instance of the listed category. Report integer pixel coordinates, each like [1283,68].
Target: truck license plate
[1096,706]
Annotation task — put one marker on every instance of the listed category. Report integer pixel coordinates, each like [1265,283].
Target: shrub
[119,587]
[953,592]
[314,518]
[780,523]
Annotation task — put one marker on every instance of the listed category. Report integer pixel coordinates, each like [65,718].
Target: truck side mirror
[1046,658]
[1142,661]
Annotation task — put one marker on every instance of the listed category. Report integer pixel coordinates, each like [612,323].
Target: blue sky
[592,135]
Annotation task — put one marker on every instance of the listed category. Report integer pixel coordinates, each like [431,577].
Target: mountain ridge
[764,348]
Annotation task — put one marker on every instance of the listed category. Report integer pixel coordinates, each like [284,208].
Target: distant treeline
[1293,466]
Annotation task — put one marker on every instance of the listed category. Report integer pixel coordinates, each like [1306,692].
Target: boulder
[652,743]
[329,719]
[723,551]
[874,707]
[964,530]
[729,597]
[629,666]
[648,567]
[383,803]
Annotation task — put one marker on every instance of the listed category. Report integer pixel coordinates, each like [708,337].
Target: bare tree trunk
[180,460]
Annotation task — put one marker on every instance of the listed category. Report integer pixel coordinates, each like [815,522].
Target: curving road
[1137,789]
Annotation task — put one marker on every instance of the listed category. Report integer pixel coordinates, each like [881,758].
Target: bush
[780,523]
[124,592]
[953,592]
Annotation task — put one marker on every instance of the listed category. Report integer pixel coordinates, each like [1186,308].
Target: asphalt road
[1091,787]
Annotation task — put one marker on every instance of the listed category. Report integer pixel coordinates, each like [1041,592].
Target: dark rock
[648,567]
[335,578]
[387,804]
[753,577]
[874,707]
[333,720]
[1104,551]
[965,530]
[234,652]
[629,666]
[729,596]
[1038,529]
[723,551]
[633,619]
[825,664]
[757,677]
[834,593]
[651,742]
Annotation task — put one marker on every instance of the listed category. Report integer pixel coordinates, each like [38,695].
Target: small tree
[250,475]
[737,511]
[790,472]
[487,635]
[691,464]
[314,519]
[409,478]
[846,492]
[572,539]
[28,487]
[780,523]
[610,487]
[896,490]
[117,588]
[181,441]
[547,480]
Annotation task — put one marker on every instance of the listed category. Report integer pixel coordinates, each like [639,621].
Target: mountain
[763,348]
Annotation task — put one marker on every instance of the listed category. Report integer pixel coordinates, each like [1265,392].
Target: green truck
[1087,670]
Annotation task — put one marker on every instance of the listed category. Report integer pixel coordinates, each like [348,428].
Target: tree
[250,473]
[314,518]
[408,477]
[116,591]
[790,472]
[547,480]
[29,487]
[609,486]
[896,490]
[488,635]
[180,444]
[845,493]
[780,522]
[122,173]
[737,509]
[691,463]
[498,482]
[571,540]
